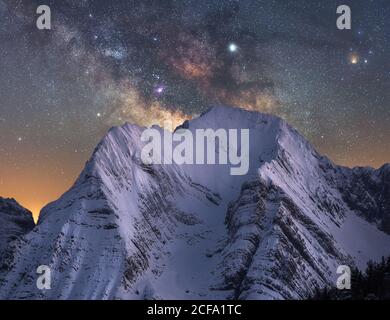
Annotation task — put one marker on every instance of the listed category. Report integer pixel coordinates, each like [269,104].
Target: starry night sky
[107,62]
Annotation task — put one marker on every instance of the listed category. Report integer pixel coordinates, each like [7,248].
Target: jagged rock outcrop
[15,221]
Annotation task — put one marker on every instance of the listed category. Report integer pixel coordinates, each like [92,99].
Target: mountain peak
[223,115]
[127,229]
[10,205]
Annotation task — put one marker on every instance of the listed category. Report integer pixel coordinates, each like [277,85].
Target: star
[233,47]
[354,58]
[159,89]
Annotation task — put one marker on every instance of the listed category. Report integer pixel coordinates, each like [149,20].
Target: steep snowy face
[299,219]
[132,230]
[15,221]
[368,193]
[116,223]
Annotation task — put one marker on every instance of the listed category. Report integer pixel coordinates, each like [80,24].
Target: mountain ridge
[134,231]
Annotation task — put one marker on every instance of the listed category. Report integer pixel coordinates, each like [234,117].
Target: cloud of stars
[108,62]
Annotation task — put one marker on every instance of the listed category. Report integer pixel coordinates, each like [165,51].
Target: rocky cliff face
[368,193]
[15,221]
[135,231]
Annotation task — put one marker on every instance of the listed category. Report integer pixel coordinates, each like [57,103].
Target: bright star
[354,59]
[159,89]
[233,47]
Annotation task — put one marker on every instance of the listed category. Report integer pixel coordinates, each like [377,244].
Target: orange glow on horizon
[34,184]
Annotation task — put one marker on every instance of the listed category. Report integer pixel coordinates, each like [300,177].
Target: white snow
[126,230]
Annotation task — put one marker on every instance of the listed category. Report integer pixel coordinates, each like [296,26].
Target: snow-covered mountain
[15,221]
[133,231]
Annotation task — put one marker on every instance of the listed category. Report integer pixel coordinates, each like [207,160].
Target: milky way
[107,62]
